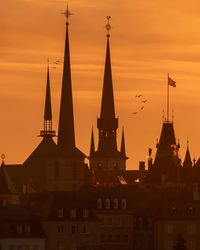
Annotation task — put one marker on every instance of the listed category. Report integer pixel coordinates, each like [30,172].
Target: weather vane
[67,14]
[108,26]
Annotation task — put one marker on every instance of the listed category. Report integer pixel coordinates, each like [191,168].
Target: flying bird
[134,113]
[144,101]
[138,96]
[142,107]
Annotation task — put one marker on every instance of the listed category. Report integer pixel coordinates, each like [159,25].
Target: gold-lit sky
[148,39]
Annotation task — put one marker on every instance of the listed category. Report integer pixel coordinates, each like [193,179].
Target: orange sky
[148,39]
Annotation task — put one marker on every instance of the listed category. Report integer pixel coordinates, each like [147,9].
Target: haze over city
[148,40]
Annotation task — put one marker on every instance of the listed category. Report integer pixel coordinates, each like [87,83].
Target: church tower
[36,165]
[67,170]
[167,162]
[107,157]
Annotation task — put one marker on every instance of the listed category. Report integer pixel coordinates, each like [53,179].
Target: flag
[171,82]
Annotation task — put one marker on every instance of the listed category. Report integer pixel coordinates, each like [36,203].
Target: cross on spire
[67,14]
[108,26]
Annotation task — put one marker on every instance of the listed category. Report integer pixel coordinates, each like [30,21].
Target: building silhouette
[54,200]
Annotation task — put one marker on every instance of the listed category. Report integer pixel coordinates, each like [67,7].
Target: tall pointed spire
[107,123]
[66,135]
[107,103]
[107,157]
[123,148]
[92,145]
[47,132]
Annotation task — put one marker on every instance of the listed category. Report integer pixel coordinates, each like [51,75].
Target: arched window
[173,210]
[99,203]
[124,205]
[107,203]
[190,210]
[115,203]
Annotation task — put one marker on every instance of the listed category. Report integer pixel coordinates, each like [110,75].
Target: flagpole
[167,98]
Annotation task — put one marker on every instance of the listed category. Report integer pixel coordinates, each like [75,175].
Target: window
[123,204]
[85,230]
[85,213]
[73,229]
[115,203]
[107,203]
[173,211]
[190,211]
[73,213]
[60,213]
[99,203]
[60,229]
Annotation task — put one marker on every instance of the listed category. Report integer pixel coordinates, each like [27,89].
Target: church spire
[47,132]
[107,103]
[123,148]
[92,145]
[66,134]
[107,123]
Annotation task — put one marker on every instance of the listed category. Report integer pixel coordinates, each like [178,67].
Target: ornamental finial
[108,26]
[67,14]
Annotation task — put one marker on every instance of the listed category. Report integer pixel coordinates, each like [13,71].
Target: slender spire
[107,123]
[187,161]
[107,104]
[123,148]
[66,135]
[92,145]
[47,132]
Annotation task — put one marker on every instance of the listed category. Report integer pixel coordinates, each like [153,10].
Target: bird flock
[142,102]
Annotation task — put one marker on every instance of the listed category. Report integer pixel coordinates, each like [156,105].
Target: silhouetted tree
[180,243]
